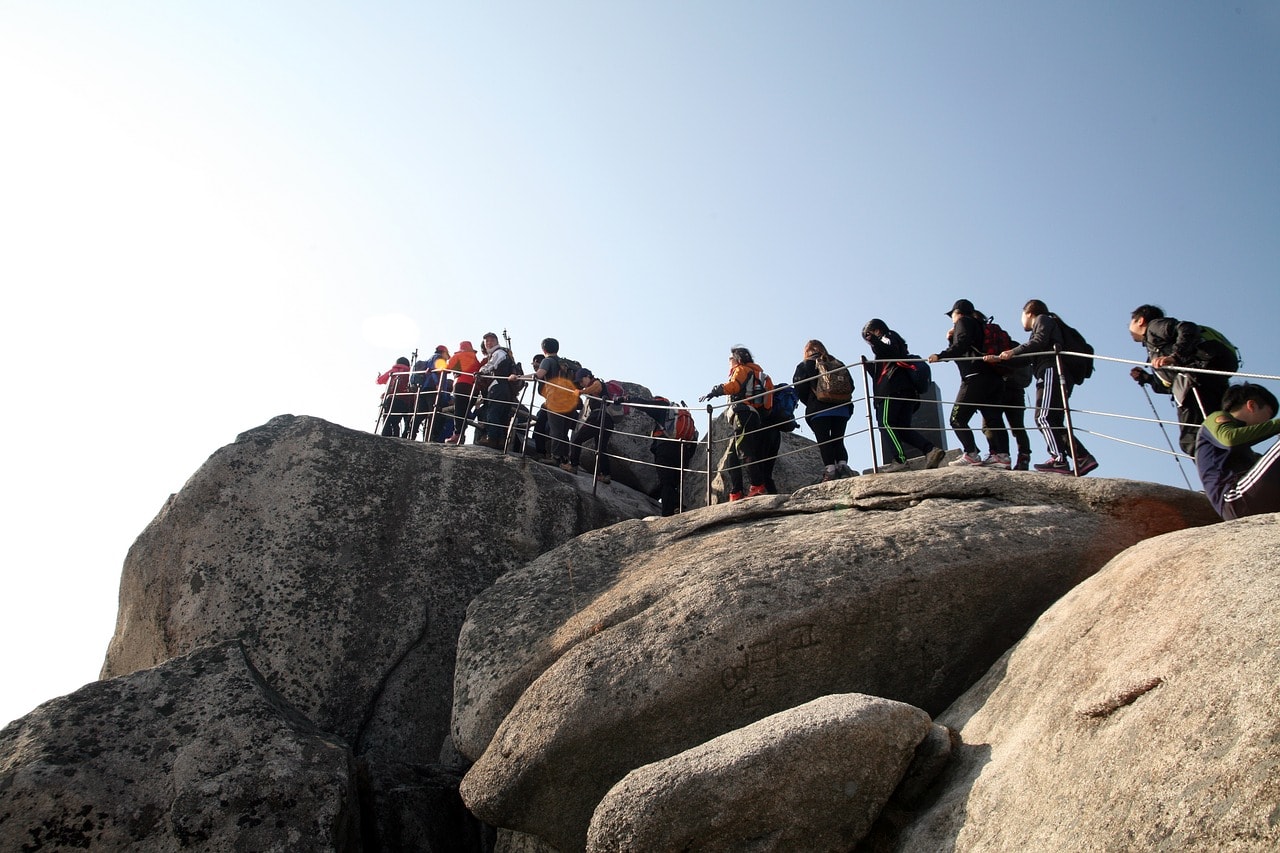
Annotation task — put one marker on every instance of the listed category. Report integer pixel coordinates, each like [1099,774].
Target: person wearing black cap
[981,389]
[596,424]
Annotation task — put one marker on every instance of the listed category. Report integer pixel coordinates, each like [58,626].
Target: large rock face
[626,647]
[344,562]
[196,754]
[811,778]
[1141,712]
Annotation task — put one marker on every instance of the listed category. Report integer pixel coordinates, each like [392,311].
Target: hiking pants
[496,415]
[588,430]
[744,448]
[1015,411]
[399,415]
[829,432]
[1051,416]
[463,398]
[1257,490]
[670,456]
[894,416]
[980,392]
[558,426]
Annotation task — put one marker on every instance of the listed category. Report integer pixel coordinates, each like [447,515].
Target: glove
[1140,376]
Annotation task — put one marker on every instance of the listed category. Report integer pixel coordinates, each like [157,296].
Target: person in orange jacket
[462,367]
[747,390]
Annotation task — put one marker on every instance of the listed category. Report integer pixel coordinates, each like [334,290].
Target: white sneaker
[997,460]
[965,460]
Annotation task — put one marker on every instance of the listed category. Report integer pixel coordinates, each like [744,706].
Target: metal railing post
[867,381]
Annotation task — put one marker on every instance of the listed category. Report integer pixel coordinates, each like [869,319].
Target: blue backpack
[783,414]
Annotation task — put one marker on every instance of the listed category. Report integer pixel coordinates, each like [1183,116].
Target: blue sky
[214,213]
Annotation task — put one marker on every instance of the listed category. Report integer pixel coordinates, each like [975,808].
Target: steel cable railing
[524,403]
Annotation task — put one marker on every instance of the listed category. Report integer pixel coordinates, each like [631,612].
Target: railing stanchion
[1066,409]
[710,421]
[868,379]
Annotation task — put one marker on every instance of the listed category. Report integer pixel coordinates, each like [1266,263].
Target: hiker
[1014,405]
[981,389]
[897,396]
[750,405]
[397,400]
[1173,343]
[596,424]
[493,381]
[462,367]
[674,441]
[559,400]
[825,387]
[433,396]
[1046,330]
[1237,481]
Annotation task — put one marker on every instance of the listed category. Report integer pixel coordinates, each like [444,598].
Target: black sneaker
[1023,463]
[1085,465]
[1054,466]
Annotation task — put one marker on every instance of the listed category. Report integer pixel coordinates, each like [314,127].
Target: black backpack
[1077,367]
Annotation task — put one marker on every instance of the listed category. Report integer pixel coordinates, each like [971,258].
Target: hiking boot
[1085,465]
[843,470]
[604,478]
[1023,463]
[755,491]
[965,460]
[572,469]
[893,468]
[934,457]
[829,474]
[485,441]
[1054,466]
[735,496]
[997,460]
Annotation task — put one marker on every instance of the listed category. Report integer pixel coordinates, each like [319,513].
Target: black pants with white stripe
[1051,415]
[1257,490]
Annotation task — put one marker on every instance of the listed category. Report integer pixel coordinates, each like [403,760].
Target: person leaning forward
[981,389]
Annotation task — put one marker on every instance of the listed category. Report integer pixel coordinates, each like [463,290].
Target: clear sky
[212,213]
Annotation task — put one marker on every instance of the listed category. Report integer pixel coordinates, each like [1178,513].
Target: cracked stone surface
[1141,712]
[196,754]
[344,561]
[628,646]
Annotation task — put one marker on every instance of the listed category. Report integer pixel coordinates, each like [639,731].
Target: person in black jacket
[896,399]
[827,418]
[1173,343]
[981,389]
[1046,333]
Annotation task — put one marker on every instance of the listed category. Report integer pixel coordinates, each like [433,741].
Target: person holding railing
[397,400]
[981,389]
[462,366]
[1173,343]
[750,406]
[493,379]
[896,399]
[1237,481]
[827,412]
[1045,342]
[670,449]
[596,424]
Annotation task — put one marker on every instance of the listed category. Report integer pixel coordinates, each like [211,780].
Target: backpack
[834,384]
[612,391]
[678,423]
[920,372]
[560,392]
[419,375]
[783,413]
[758,393]
[996,340]
[1077,367]
[1208,333]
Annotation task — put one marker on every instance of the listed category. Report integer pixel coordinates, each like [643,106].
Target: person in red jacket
[397,400]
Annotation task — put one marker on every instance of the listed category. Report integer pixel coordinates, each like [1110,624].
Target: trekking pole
[1066,410]
[1177,457]
[710,436]
[868,379]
